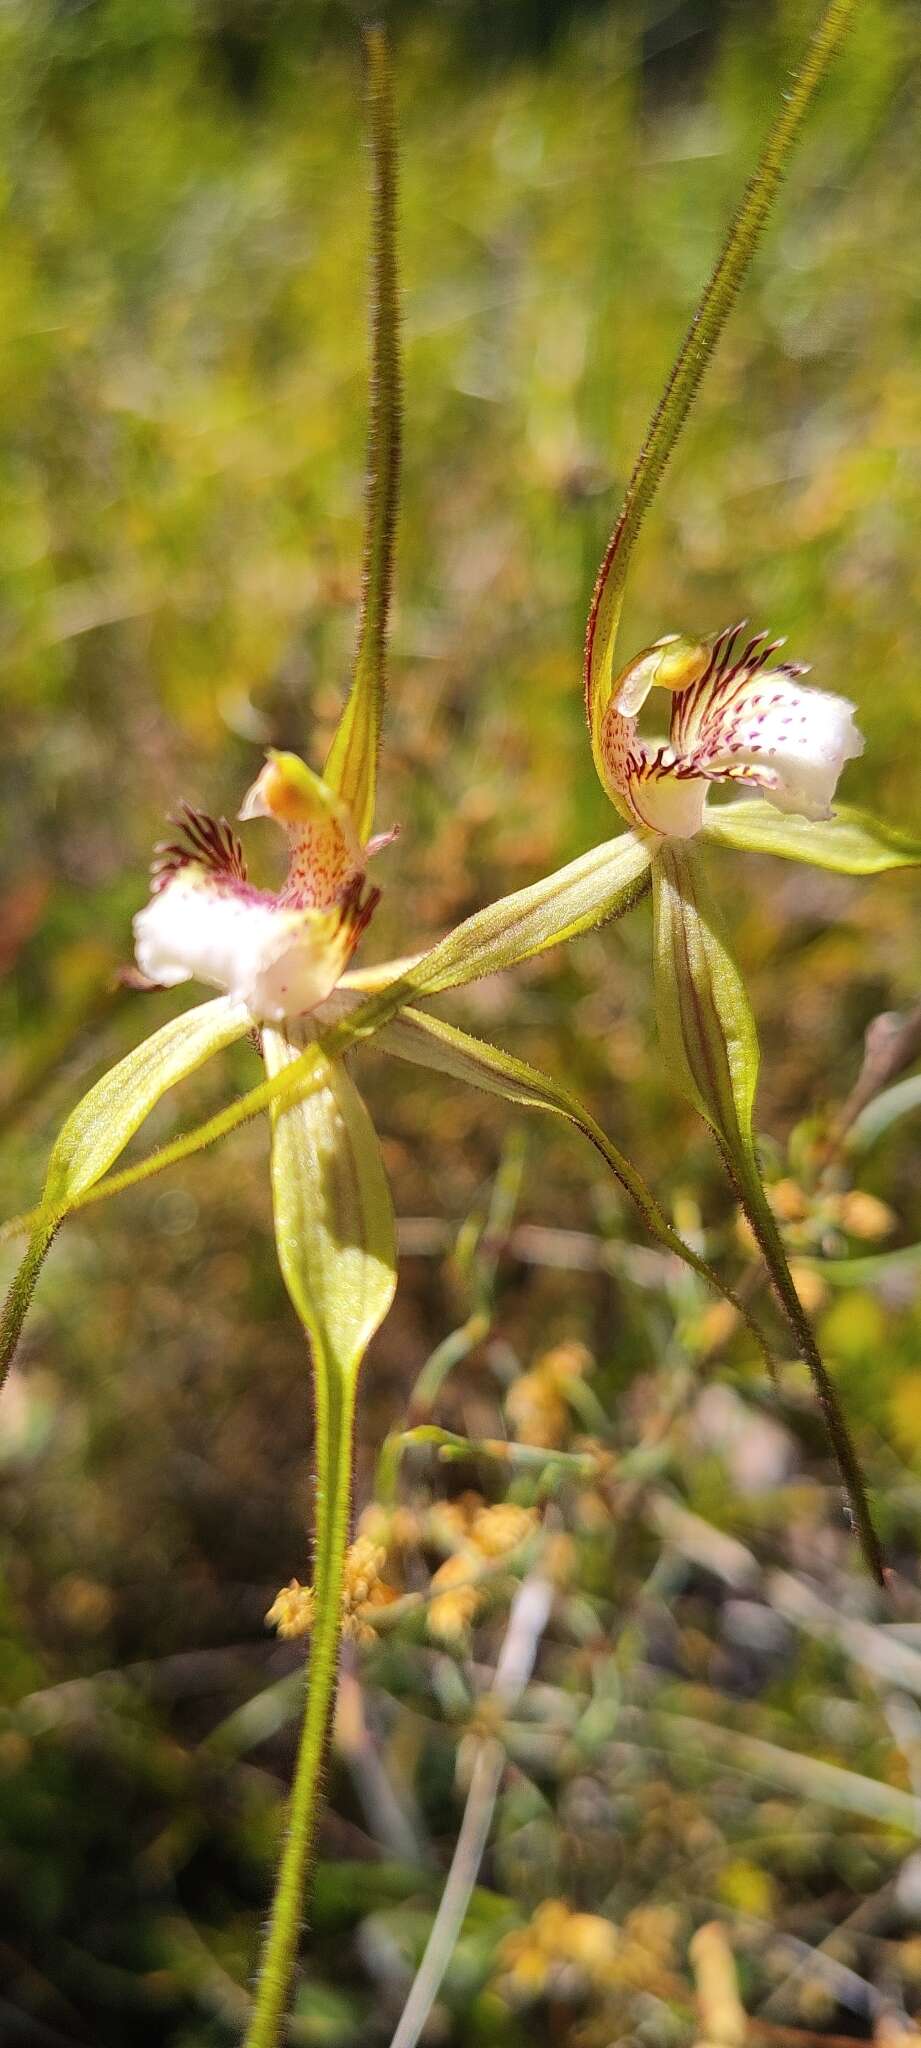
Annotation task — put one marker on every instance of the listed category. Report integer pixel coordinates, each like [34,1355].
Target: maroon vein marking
[207,842]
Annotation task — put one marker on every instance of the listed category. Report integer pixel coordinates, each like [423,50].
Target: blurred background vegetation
[182,397]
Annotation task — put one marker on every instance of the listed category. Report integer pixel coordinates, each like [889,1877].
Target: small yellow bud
[496,1531]
[788,1201]
[457,1598]
[292,1610]
[865,1215]
[809,1285]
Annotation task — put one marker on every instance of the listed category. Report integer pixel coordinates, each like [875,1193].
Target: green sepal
[602,884]
[333,1213]
[710,1044]
[850,843]
[101,1126]
[429,1042]
[706,1026]
[351,766]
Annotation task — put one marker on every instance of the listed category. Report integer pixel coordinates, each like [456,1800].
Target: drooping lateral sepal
[98,1130]
[333,1213]
[710,1044]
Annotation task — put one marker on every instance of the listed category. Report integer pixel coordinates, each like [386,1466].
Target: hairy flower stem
[709,1036]
[335,1415]
[16,1306]
[699,344]
[747,1184]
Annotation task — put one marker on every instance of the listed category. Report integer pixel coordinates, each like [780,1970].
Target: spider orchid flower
[734,719]
[741,719]
[279,954]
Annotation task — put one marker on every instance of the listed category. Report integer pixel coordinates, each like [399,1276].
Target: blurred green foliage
[182,263]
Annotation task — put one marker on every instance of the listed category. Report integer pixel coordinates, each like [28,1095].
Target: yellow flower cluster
[536,1405]
[561,1952]
[474,1536]
[293,1610]
[569,1954]
[477,1535]
[852,1210]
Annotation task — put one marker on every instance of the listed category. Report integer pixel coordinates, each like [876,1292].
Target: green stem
[710,1040]
[335,1415]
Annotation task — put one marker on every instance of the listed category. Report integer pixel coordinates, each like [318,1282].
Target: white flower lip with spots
[281,953]
[734,719]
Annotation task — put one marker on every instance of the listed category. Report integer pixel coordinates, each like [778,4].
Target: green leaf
[101,1126]
[850,843]
[336,1245]
[333,1213]
[599,886]
[351,767]
[698,346]
[710,1043]
[429,1042]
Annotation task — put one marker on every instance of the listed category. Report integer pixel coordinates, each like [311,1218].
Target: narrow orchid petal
[337,1249]
[695,353]
[850,843]
[590,891]
[429,1042]
[351,767]
[710,1044]
[101,1126]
